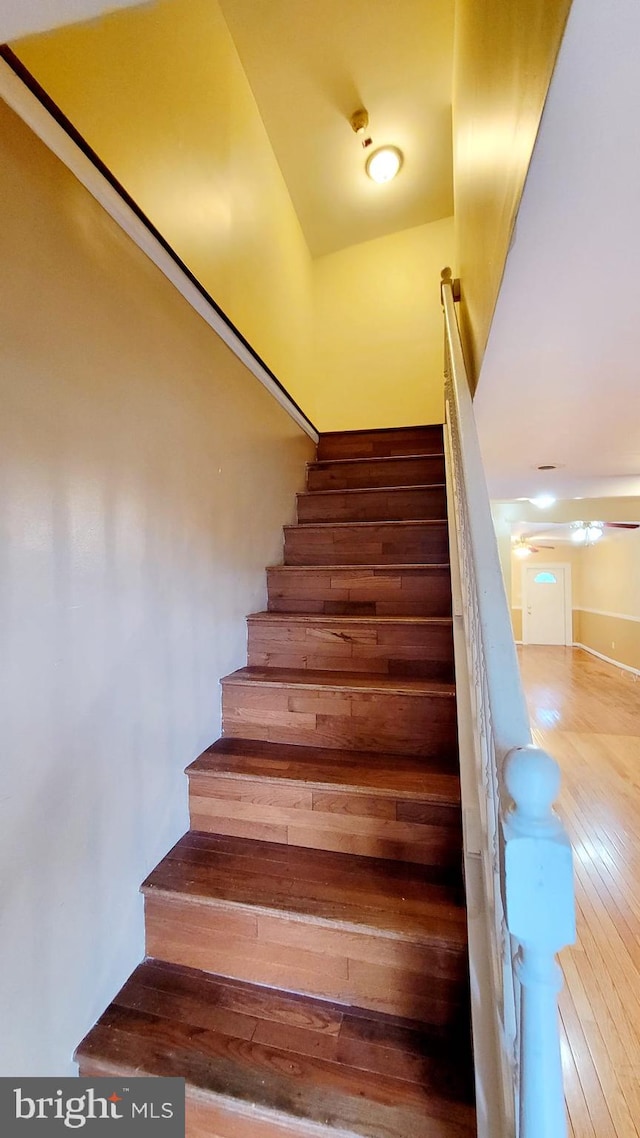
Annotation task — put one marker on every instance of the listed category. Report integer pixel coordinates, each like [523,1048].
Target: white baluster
[541,917]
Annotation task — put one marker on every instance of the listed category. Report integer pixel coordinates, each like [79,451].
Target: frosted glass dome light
[383,164]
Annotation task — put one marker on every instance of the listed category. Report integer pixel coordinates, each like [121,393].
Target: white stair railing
[518,861]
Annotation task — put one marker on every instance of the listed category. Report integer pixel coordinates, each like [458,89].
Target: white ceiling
[311,65]
[560,382]
[24,17]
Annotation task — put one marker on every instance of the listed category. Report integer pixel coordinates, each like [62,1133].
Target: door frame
[568,607]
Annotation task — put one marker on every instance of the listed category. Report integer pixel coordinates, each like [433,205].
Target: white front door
[544,603]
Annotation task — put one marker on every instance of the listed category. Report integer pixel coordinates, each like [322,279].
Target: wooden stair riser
[423,470]
[210,1116]
[380,443]
[384,543]
[407,723]
[396,591]
[294,814]
[371,505]
[294,953]
[333,644]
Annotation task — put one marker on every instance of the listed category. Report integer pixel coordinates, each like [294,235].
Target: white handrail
[525,880]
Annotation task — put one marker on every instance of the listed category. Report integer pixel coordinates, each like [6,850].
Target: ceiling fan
[523,547]
[587,533]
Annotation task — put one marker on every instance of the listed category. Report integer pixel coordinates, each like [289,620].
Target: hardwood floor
[587,714]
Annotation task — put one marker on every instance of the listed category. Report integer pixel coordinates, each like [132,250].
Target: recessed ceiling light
[543,501]
[383,164]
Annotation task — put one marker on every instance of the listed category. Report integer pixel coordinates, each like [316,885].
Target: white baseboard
[607,659]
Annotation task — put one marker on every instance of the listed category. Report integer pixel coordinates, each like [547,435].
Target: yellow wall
[145,478]
[378,319]
[608,583]
[160,94]
[504,54]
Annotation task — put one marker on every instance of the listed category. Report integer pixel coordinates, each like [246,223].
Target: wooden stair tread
[401,900]
[299,1059]
[419,779]
[355,620]
[341,681]
[372,489]
[323,462]
[382,567]
[388,523]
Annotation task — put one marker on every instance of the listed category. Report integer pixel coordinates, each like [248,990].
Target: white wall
[22,17]
[144,480]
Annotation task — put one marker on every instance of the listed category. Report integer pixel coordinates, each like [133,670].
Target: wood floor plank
[587,714]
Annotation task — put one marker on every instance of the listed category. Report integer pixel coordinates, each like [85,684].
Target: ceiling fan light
[383,164]
[522,551]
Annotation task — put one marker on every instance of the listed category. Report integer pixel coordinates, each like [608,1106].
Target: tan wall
[145,476]
[611,636]
[503,59]
[378,319]
[516,623]
[160,94]
[608,582]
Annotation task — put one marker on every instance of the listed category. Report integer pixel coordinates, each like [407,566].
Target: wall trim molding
[53,129]
[601,612]
[607,659]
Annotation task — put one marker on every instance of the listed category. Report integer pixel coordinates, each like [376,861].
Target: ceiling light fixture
[521,548]
[586,533]
[543,501]
[383,164]
[359,123]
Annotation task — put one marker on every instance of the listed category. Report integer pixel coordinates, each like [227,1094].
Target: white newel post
[541,917]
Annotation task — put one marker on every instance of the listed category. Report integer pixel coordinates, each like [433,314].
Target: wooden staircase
[306,964]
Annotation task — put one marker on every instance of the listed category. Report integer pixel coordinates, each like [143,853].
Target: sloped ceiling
[560,382]
[24,17]
[310,66]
